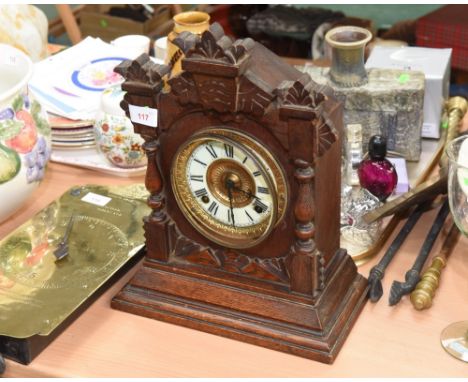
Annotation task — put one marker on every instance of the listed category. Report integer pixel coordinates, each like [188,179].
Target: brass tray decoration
[38,291]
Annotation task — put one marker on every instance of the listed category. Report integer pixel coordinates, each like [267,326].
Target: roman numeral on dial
[262,190]
[229,150]
[257,173]
[196,178]
[199,161]
[201,192]
[213,208]
[211,150]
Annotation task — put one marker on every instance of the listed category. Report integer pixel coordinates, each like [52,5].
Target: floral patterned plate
[98,75]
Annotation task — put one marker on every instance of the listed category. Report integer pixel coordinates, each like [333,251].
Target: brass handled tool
[422,296]
[457,107]
[62,249]
[377,272]
[399,289]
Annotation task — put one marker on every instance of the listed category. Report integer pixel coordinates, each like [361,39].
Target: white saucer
[90,158]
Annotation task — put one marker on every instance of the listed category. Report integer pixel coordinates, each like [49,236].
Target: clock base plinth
[312,331]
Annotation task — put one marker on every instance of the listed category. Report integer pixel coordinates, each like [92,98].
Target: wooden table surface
[385,342]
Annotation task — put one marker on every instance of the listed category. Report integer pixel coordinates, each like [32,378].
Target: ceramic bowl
[24,132]
[25,27]
[114,133]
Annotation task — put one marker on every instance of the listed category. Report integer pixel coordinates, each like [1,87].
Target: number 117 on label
[144,115]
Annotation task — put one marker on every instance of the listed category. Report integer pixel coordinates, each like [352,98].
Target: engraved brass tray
[38,293]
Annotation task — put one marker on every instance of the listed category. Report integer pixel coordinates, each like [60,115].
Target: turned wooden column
[154,182]
[304,260]
[143,84]
[310,136]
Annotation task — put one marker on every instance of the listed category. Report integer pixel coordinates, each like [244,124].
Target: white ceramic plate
[72,137]
[58,122]
[90,158]
[77,131]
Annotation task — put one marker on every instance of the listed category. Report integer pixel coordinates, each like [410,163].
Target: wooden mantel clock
[244,180]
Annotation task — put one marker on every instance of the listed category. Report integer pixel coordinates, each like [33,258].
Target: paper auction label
[144,115]
[98,200]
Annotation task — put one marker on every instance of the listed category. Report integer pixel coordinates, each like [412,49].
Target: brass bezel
[233,237]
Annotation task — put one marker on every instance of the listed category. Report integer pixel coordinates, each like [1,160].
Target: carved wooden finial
[300,93]
[301,100]
[214,45]
[186,41]
[215,75]
[142,71]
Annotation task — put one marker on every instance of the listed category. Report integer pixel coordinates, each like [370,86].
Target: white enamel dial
[229,187]
[258,193]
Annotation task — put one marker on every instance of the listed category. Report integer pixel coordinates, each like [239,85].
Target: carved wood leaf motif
[298,95]
[325,133]
[235,53]
[239,49]
[273,269]
[214,45]
[208,48]
[317,98]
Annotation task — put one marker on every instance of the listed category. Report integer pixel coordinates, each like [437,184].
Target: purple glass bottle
[377,174]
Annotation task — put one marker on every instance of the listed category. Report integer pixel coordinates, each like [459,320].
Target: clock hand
[248,193]
[229,186]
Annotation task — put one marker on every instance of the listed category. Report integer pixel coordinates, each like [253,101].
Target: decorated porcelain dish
[97,75]
[24,132]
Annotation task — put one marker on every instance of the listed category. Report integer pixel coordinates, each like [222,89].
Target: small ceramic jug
[194,22]
[114,133]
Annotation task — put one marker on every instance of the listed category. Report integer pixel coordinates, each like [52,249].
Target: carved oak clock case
[244,178]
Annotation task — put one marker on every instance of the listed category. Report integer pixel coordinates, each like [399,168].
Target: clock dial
[228,187]
[217,170]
